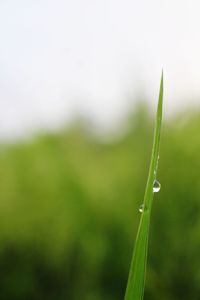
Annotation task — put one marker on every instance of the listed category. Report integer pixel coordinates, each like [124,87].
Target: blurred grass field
[69,213]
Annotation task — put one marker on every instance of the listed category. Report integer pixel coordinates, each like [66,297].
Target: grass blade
[136,280]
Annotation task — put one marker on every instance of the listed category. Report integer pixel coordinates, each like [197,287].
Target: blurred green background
[69,212]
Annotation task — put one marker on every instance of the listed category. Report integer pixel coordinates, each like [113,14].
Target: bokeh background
[79,83]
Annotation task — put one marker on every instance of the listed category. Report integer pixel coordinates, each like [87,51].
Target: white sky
[61,57]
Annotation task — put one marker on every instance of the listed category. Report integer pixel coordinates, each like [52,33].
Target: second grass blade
[136,280]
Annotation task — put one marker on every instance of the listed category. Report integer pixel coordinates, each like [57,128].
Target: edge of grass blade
[136,280]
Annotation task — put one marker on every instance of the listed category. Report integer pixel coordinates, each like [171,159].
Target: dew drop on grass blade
[136,280]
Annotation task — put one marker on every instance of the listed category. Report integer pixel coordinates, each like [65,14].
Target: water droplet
[141,208]
[156,186]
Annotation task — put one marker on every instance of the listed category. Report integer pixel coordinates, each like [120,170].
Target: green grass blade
[136,280]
